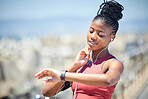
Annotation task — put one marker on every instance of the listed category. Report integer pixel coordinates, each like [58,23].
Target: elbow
[109,81]
[47,93]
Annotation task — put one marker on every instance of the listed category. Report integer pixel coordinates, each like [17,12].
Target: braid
[110,13]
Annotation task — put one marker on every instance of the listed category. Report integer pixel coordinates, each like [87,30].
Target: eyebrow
[98,30]
[92,28]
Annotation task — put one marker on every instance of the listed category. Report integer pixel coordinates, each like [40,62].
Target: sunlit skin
[98,37]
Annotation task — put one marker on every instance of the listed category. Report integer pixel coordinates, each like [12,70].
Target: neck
[97,54]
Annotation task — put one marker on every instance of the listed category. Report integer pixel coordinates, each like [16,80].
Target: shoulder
[113,64]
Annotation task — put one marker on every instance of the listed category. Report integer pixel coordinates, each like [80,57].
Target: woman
[95,78]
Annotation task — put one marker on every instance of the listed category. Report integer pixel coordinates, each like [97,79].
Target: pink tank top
[93,92]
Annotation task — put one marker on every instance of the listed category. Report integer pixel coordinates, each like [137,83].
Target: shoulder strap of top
[104,58]
[109,57]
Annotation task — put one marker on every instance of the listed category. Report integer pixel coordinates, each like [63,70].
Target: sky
[65,16]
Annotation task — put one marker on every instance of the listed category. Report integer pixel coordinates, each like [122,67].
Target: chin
[93,47]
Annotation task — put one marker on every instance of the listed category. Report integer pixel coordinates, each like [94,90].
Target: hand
[49,73]
[82,57]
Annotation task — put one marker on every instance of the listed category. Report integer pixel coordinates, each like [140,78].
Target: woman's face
[99,35]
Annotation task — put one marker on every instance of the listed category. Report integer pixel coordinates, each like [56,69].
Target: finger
[82,52]
[88,49]
[42,76]
[44,72]
[85,50]
[39,74]
[46,80]
[87,57]
[88,46]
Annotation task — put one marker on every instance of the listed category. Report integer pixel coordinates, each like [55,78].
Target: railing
[135,76]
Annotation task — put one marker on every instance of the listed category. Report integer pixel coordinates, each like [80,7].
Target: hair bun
[112,9]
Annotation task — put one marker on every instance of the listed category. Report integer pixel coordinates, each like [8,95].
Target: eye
[91,30]
[101,34]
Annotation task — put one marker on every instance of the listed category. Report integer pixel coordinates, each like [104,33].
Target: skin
[98,38]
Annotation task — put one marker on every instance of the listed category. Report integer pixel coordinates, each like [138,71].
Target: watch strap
[63,75]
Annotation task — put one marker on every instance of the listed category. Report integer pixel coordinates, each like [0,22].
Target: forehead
[99,25]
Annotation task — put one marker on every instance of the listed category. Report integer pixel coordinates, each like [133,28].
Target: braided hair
[110,13]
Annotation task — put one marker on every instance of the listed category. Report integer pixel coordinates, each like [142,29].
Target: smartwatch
[63,75]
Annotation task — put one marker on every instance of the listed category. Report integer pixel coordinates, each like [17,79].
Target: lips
[92,43]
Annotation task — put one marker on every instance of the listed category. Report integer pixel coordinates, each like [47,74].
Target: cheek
[105,42]
[88,36]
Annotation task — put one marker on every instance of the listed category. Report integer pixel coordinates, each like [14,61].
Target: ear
[112,37]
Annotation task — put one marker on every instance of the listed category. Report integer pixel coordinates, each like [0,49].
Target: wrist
[73,67]
[63,72]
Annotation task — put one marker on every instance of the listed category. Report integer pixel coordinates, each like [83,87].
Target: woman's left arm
[110,78]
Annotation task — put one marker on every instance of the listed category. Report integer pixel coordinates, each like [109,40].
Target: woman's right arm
[82,58]
[50,89]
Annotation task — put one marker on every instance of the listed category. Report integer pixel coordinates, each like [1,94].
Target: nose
[93,37]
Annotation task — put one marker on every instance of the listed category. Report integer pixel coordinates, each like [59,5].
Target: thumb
[87,57]
[88,49]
